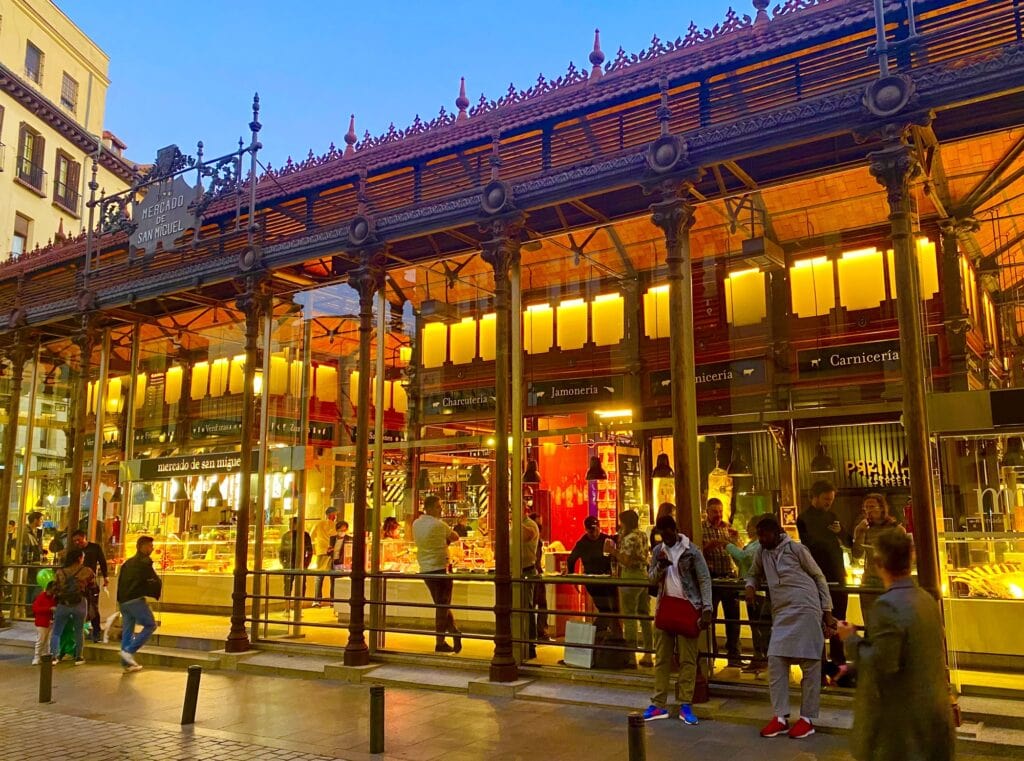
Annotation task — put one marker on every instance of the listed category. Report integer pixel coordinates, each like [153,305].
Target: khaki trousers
[665,646]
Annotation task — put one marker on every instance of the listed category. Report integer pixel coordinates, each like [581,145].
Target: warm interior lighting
[278,375]
[218,377]
[745,299]
[538,326]
[572,324]
[487,336]
[115,400]
[656,315]
[404,354]
[90,402]
[236,378]
[613,414]
[399,397]
[462,341]
[928,268]
[172,385]
[812,289]
[861,279]
[326,378]
[257,383]
[607,319]
[200,380]
[435,344]
[140,390]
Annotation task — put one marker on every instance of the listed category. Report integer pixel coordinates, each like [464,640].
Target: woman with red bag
[683,610]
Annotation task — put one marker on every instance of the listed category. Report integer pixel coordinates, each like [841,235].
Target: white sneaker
[80,661]
[128,658]
[35,661]
[133,668]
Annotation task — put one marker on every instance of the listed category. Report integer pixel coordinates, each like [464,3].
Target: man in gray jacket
[902,708]
[801,613]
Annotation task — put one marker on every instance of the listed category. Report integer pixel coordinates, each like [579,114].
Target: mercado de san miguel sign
[163,215]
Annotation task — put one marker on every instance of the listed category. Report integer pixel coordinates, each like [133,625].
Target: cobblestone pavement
[102,714]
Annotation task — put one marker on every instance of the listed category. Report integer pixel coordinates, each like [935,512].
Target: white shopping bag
[579,633]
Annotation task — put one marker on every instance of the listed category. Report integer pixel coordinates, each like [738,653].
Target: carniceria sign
[163,215]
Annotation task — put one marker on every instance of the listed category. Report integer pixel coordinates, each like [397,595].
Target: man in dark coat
[902,709]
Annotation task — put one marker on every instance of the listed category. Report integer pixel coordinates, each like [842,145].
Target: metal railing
[66,195]
[30,172]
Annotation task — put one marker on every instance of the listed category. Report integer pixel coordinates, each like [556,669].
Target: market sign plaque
[587,390]
[714,376]
[163,215]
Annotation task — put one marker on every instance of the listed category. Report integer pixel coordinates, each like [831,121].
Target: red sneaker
[801,729]
[774,728]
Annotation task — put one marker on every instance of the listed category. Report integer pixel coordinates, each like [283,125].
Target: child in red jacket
[42,608]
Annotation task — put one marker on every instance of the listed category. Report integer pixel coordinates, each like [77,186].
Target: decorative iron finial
[361,200]
[255,125]
[664,112]
[350,136]
[762,10]
[596,56]
[462,102]
[495,158]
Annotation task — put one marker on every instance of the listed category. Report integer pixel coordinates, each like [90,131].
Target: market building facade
[731,265]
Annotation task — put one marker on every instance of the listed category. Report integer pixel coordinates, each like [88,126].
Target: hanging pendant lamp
[476,477]
[423,480]
[1014,456]
[738,467]
[213,496]
[822,463]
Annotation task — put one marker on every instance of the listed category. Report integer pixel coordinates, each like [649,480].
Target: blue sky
[184,71]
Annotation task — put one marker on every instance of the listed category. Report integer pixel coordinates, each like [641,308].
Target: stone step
[154,655]
[286,664]
[993,712]
[418,677]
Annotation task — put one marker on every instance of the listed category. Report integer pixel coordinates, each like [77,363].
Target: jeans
[606,600]
[136,612]
[840,600]
[730,601]
[289,584]
[636,601]
[441,594]
[93,598]
[64,613]
[323,563]
[531,618]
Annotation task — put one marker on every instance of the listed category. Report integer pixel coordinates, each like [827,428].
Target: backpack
[69,592]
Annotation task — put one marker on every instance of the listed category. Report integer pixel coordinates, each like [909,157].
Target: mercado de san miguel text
[783,250]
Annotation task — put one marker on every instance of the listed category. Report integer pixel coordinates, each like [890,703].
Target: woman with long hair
[73,582]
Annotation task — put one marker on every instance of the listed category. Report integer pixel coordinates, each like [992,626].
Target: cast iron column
[368,279]
[85,338]
[501,251]
[17,354]
[957,319]
[675,217]
[252,304]
[894,167]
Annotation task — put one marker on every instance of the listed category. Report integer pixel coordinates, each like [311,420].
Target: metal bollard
[46,679]
[188,711]
[376,718]
[637,738]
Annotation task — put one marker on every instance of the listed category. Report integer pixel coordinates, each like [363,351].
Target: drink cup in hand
[836,528]
[609,546]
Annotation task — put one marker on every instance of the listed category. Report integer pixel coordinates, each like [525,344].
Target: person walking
[95,561]
[634,558]
[432,536]
[759,613]
[717,535]
[801,612]
[73,582]
[43,608]
[902,709]
[823,534]
[291,558]
[324,532]
[32,552]
[684,588]
[136,581]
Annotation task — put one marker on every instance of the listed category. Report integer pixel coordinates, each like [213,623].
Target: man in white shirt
[432,536]
[322,533]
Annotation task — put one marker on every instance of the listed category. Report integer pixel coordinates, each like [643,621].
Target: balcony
[66,196]
[31,174]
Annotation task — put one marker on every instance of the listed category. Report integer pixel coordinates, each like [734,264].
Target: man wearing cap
[324,530]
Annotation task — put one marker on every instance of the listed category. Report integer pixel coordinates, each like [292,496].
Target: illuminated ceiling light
[613,414]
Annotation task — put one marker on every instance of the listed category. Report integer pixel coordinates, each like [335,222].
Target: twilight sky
[186,70]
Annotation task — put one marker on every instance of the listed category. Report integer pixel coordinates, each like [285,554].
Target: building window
[19,243]
[69,93]
[31,146]
[65,182]
[34,63]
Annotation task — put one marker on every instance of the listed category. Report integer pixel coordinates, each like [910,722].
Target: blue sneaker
[686,714]
[653,713]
